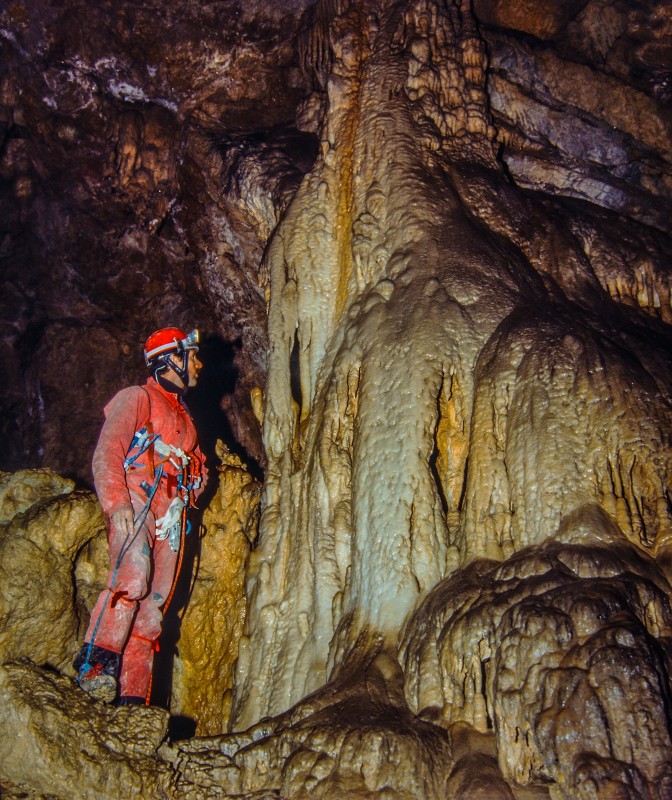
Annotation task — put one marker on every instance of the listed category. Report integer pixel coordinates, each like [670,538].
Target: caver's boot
[97,670]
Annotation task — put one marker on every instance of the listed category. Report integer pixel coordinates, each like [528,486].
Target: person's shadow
[217,379]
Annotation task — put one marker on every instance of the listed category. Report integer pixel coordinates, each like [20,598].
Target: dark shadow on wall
[217,380]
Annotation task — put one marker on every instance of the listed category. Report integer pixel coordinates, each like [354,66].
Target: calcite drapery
[458,359]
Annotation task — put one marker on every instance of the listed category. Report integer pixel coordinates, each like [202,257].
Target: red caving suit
[127,617]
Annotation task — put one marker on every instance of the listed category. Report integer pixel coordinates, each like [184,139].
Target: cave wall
[147,151]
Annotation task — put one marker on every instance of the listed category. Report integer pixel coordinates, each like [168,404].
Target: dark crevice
[434,457]
[437,479]
[484,681]
[217,379]
[295,372]
[463,493]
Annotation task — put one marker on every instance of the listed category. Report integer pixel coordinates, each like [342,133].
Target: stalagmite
[215,607]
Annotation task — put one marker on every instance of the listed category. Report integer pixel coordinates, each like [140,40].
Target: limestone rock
[46,525]
[58,741]
[436,233]
[622,159]
[564,652]
[213,620]
[21,490]
[100,126]
[350,739]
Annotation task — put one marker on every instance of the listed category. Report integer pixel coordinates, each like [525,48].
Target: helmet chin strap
[165,363]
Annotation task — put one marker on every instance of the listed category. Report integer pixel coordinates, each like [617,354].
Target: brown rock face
[438,237]
[127,205]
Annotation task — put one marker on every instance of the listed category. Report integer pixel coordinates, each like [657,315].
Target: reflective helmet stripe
[173,346]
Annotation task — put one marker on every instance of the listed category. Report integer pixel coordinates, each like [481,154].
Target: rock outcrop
[44,527]
[53,564]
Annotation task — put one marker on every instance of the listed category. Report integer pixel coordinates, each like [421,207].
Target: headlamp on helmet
[191,340]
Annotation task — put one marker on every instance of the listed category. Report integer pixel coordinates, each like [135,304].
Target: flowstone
[564,651]
[448,378]
[453,379]
[60,742]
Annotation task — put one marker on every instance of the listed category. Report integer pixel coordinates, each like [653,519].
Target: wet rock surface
[69,745]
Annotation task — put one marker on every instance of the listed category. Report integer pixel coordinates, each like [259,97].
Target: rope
[138,522]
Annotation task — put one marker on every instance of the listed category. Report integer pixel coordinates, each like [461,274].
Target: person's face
[194,366]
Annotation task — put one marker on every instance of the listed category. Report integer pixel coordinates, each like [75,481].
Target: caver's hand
[122,519]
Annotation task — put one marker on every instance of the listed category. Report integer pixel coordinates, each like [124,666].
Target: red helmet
[169,340]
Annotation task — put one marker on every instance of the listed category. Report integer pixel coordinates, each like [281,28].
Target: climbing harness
[169,526]
[141,442]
